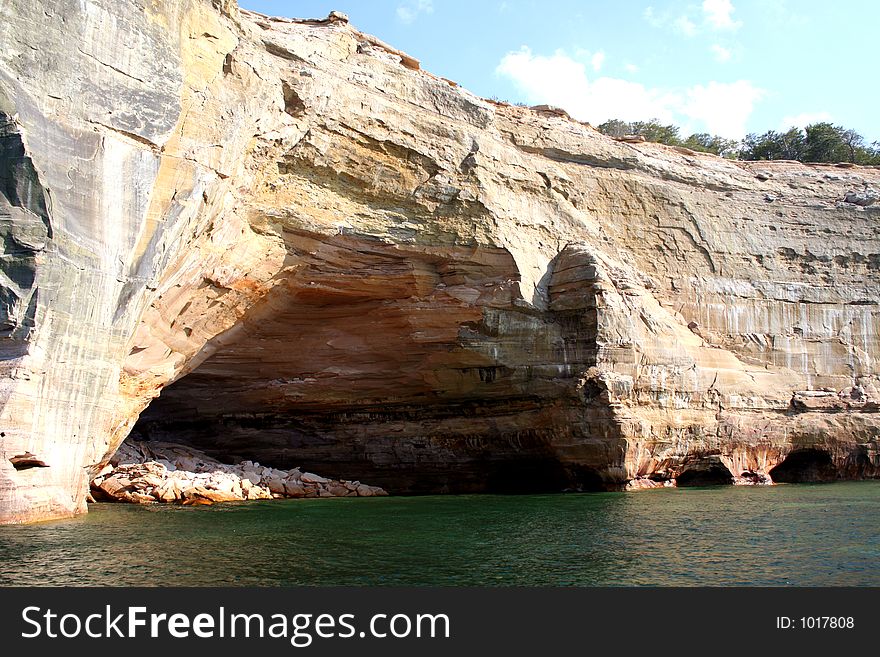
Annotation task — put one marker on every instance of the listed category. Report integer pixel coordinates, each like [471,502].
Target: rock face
[344,262]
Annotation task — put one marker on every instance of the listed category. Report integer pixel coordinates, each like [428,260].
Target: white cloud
[721,53]
[630,68]
[718,15]
[557,79]
[595,59]
[408,12]
[560,80]
[804,119]
[651,17]
[680,24]
[685,25]
[723,108]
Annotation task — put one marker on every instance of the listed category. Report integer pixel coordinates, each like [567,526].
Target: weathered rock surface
[350,264]
[147,473]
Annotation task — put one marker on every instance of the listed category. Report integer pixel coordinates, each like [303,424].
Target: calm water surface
[819,535]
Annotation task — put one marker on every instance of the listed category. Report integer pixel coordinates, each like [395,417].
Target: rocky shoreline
[156,472]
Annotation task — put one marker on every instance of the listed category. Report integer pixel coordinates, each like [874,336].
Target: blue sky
[721,66]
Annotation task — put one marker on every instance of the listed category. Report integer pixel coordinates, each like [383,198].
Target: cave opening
[805,466]
[369,445]
[711,472]
[363,366]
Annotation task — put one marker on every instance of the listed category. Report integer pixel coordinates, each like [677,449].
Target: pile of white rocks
[150,472]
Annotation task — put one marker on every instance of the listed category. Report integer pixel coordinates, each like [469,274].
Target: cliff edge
[344,262]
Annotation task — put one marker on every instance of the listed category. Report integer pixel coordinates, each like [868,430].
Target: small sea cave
[754,478]
[707,472]
[805,466]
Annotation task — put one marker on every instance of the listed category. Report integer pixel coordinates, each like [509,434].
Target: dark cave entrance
[540,475]
[805,466]
[708,472]
[362,444]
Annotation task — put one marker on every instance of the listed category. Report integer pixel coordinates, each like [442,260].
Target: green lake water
[801,535]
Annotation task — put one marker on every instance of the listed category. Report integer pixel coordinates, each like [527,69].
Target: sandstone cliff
[349,264]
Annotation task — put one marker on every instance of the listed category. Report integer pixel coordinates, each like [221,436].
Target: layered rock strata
[166,472]
[348,263]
